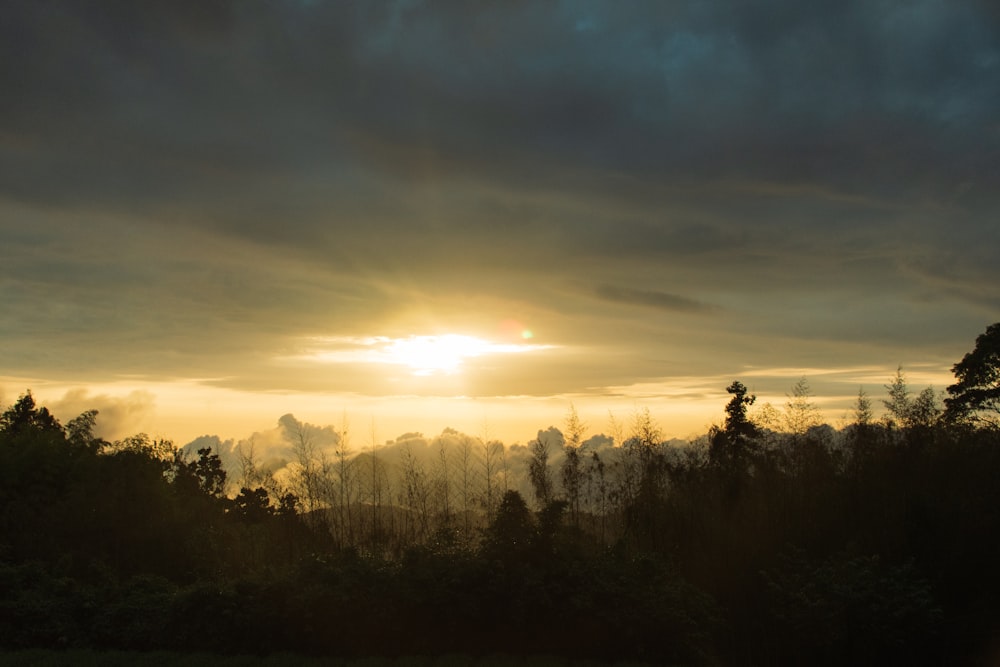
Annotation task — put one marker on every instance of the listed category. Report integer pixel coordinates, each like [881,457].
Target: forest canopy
[771,539]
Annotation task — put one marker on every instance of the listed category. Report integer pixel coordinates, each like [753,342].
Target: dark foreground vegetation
[115,658]
[875,544]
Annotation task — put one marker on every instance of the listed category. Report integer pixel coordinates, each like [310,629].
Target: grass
[88,658]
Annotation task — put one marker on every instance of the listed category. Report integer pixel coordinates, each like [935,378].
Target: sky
[419,215]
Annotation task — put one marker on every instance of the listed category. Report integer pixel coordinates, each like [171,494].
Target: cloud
[652,299]
[277,95]
[299,435]
[190,189]
[118,416]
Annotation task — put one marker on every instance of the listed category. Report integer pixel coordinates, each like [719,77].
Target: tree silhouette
[899,403]
[80,431]
[538,470]
[737,423]
[976,394]
[730,446]
[863,415]
[925,409]
[871,544]
[571,472]
[801,413]
[253,505]
[23,417]
[206,473]
[513,530]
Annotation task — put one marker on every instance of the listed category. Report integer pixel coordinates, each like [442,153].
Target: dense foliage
[754,545]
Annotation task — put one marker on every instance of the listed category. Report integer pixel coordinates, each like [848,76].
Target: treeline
[774,539]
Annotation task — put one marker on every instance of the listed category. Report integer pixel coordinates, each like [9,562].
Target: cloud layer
[657,190]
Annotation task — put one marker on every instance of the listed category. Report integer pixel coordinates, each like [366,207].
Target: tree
[513,530]
[899,402]
[345,478]
[443,486]
[861,433]
[465,480]
[572,467]
[538,470]
[80,431]
[307,478]
[907,411]
[801,414]
[729,446]
[597,475]
[23,417]
[863,415]
[737,423]
[415,496]
[492,456]
[379,485]
[253,505]
[925,409]
[975,397]
[206,473]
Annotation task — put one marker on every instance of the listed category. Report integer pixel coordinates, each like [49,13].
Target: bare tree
[492,460]
[630,465]
[252,476]
[376,495]
[249,474]
[465,481]
[597,481]
[801,413]
[538,470]
[443,486]
[307,478]
[615,429]
[504,471]
[414,496]
[571,472]
[344,473]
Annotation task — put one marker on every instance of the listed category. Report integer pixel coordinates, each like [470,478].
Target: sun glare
[423,355]
[427,355]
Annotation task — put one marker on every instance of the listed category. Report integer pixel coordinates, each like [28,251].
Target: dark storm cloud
[261,170]
[189,100]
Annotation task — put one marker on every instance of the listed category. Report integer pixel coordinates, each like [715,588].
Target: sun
[424,355]
[427,355]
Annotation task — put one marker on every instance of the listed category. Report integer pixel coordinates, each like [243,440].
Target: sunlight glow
[427,355]
[424,355]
